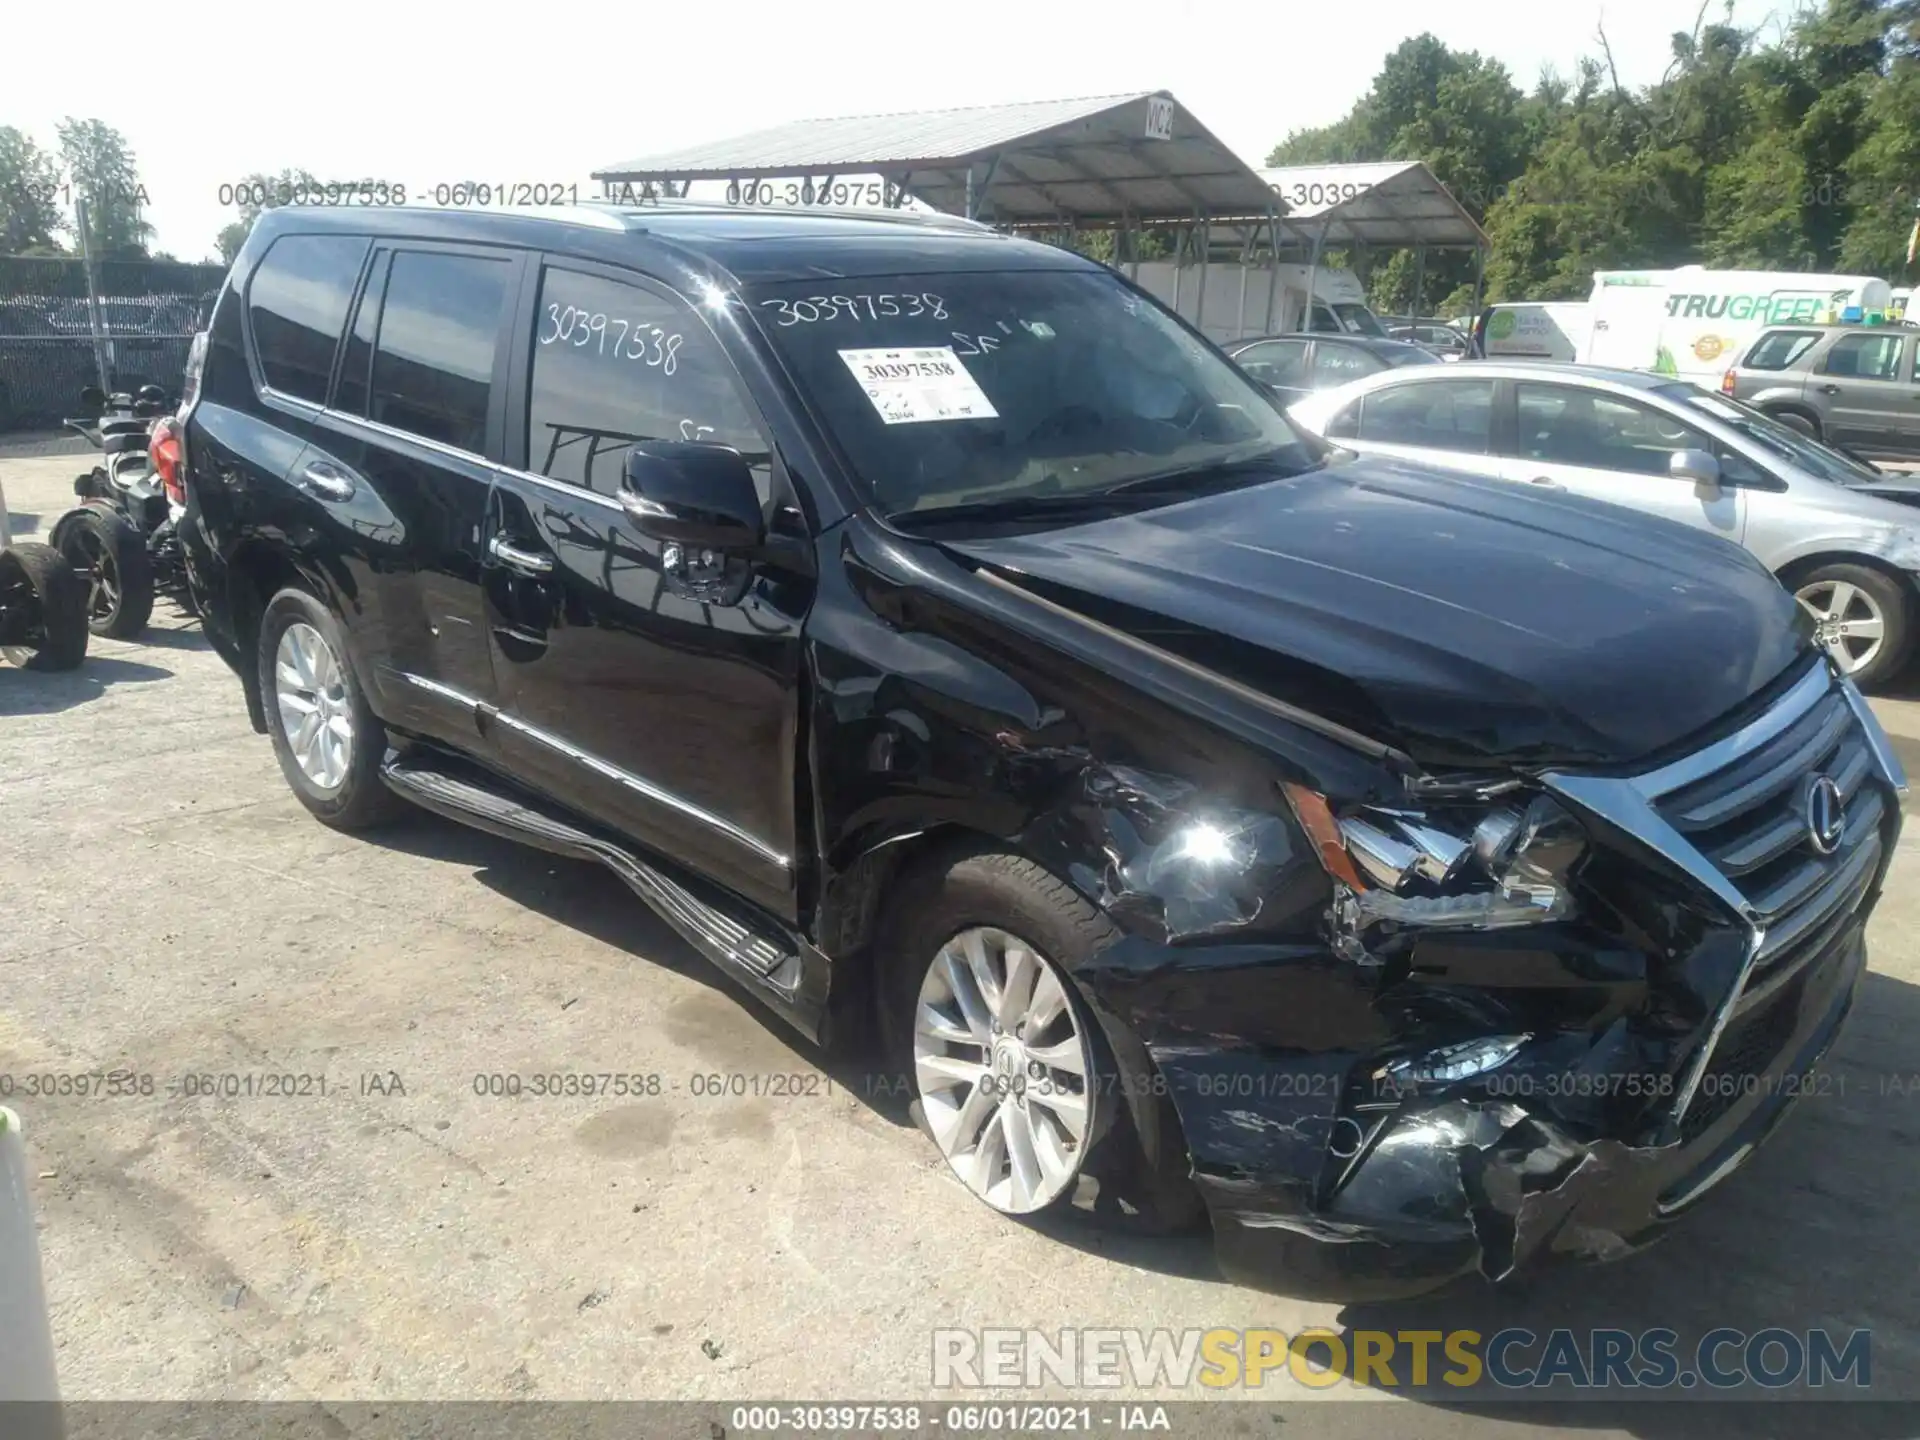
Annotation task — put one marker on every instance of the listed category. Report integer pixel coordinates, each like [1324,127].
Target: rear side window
[1439,415]
[1865,357]
[297,305]
[1276,362]
[1778,349]
[439,333]
[614,363]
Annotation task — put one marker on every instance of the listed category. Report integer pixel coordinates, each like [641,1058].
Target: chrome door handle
[515,557]
[1829,389]
[327,481]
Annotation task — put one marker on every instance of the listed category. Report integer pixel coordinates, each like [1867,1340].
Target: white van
[1240,301]
[1551,330]
[1695,322]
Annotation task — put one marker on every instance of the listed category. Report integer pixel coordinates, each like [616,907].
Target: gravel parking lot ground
[171,910]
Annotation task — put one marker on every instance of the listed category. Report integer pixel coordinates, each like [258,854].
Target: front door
[1865,389]
[671,719]
[1617,450]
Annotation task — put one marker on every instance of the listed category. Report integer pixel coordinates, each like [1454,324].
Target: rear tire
[112,557]
[1864,619]
[941,922]
[326,737]
[37,577]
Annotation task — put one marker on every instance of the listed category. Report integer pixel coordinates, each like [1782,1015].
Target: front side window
[1560,425]
[1043,387]
[1335,364]
[297,305]
[1778,349]
[1865,357]
[439,333]
[614,363]
[1437,415]
[1276,362]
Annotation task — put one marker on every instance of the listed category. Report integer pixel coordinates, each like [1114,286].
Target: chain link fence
[58,335]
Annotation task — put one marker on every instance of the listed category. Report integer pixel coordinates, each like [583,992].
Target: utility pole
[93,294]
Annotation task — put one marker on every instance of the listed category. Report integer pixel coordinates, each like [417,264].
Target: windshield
[1359,320]
[1776,439]
[1036,388]
[1409,355]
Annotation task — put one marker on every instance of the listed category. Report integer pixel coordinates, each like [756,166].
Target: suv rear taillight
[164,449]
[1726,384]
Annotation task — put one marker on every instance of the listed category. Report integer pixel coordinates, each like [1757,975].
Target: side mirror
[693,494]
[1695,465]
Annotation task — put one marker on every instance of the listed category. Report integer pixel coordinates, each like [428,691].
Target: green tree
[100,167]
[30,219]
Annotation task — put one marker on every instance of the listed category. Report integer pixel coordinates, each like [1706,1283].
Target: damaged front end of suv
[1550,1011]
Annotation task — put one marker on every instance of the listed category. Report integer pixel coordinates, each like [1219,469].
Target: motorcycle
[124,542]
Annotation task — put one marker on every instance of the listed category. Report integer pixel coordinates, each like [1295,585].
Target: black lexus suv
[1425,874]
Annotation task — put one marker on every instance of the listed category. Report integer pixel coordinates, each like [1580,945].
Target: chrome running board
[770,963]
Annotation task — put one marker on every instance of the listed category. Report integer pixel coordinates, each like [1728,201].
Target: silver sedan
[1842,536]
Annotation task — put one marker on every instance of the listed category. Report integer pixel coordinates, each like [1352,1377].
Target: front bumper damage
[1305,1199]
[1659,1036]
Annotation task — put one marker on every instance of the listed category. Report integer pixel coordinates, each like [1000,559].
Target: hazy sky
[207,91]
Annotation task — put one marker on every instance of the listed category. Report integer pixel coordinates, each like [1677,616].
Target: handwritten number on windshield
[632,340]
[816,308]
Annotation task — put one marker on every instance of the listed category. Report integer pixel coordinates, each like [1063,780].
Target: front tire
[36,579]
[1797,420]
[1862,620]
[1016,1085]
[326,737]
[111,557]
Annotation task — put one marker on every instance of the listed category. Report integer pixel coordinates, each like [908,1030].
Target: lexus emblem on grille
[1826,815]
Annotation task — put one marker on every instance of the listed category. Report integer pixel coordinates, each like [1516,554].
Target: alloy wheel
[310,692]
[1847,622]
[102,576]
[1004,1070]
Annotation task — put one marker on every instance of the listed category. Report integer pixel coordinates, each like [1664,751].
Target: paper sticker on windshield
[909,386]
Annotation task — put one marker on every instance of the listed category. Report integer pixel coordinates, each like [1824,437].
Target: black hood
[1467,622]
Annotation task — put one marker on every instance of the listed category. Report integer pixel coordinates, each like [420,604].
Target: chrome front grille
[1750,819]
[1735,817]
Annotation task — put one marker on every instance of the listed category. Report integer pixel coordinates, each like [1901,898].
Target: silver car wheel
[1847,622]
[1004,1070]
[310,692]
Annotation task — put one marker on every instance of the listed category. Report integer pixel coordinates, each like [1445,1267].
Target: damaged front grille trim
[1631,805]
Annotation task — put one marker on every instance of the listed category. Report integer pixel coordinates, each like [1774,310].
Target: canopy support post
[1273,269]
[1206,245]
[1419,282]
[1313,273]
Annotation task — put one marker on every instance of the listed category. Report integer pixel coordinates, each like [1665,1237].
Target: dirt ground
[169,909]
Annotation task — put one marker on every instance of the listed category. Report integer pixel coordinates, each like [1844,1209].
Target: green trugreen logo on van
[1501,325]
[1779,307]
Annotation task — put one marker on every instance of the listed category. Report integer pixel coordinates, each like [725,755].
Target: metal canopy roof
[1391,204]
[1109,159]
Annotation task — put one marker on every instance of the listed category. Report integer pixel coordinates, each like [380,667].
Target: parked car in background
[1295,366]
[145,337]
[1818,519]
[1850,385]
[1185,801]
[1443,340]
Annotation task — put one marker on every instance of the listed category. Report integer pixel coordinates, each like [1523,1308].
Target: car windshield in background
[1022,393]
[1411,355]
[1777,439]
[1358,320]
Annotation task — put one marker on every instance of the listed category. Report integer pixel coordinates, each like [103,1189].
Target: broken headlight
[1500,864]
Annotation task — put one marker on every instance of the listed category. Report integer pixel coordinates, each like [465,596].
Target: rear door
[1615,449]
[1863,385]
[1335,363]
[670,719]
[1438,422]
[415,427]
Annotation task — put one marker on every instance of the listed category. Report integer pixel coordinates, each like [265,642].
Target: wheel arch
[256,572]
[1805,411]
